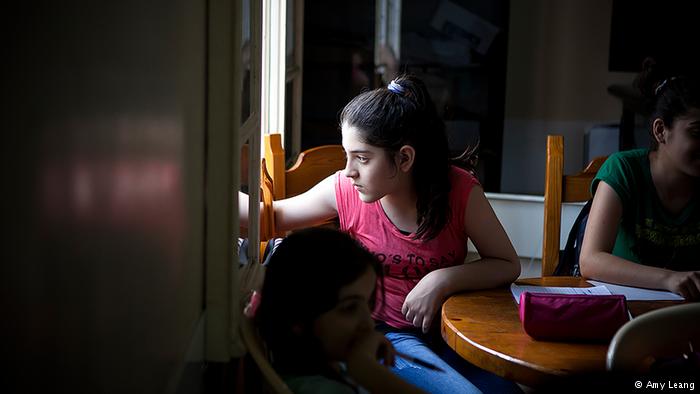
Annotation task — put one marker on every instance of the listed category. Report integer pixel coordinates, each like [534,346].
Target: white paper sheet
[637,294]
[516,290]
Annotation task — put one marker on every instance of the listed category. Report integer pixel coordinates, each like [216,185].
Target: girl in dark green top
[644,226]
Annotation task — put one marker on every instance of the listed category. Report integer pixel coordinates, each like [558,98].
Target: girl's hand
[423,302]
[363,366]
[369,347]
[685,283]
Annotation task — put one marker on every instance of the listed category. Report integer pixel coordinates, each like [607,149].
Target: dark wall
[653,28]
[103,190]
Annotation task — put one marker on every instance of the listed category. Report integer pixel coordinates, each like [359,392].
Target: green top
[321,384]
[647,233]
[316,384]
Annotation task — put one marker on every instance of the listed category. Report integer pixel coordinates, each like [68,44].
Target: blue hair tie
[658,88]
[661,85]
[395,87]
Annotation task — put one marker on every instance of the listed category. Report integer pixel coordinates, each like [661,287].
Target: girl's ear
[406,158]
[658,129]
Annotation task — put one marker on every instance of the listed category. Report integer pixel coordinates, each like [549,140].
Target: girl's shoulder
[629,163]
[624,171]
[632,155]
[461,179]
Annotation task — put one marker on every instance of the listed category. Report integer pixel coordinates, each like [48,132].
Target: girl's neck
[400,207]
[674,188]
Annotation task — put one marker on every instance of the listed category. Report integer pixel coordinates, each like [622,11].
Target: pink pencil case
[572,317]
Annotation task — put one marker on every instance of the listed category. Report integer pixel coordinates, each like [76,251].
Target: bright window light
[273,66]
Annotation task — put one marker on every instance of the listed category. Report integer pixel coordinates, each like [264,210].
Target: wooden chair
[667,333]
[559,189]
[312,166]
[268,229]
[272,382]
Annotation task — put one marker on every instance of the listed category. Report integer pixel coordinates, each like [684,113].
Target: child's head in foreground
[318,295]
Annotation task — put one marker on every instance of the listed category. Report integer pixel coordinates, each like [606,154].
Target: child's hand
[369,347]
[423,302]
[685,283]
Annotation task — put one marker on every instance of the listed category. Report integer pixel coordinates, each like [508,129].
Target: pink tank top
[404,260]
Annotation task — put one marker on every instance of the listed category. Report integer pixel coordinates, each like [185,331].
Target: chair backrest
[557,190]
[662,333]
[312,166]
[272,382]
[268,229]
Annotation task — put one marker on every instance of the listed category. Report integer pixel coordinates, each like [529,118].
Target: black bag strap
[569,257]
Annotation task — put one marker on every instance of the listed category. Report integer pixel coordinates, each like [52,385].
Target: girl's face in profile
[682,142]
[351,316]
[372,174]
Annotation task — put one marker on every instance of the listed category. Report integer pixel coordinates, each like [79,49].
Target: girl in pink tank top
[402,199]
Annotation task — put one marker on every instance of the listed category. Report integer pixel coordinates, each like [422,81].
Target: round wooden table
[484,328]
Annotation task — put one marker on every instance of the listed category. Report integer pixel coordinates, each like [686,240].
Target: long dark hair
[669,96]
[302,281]
[406,115]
